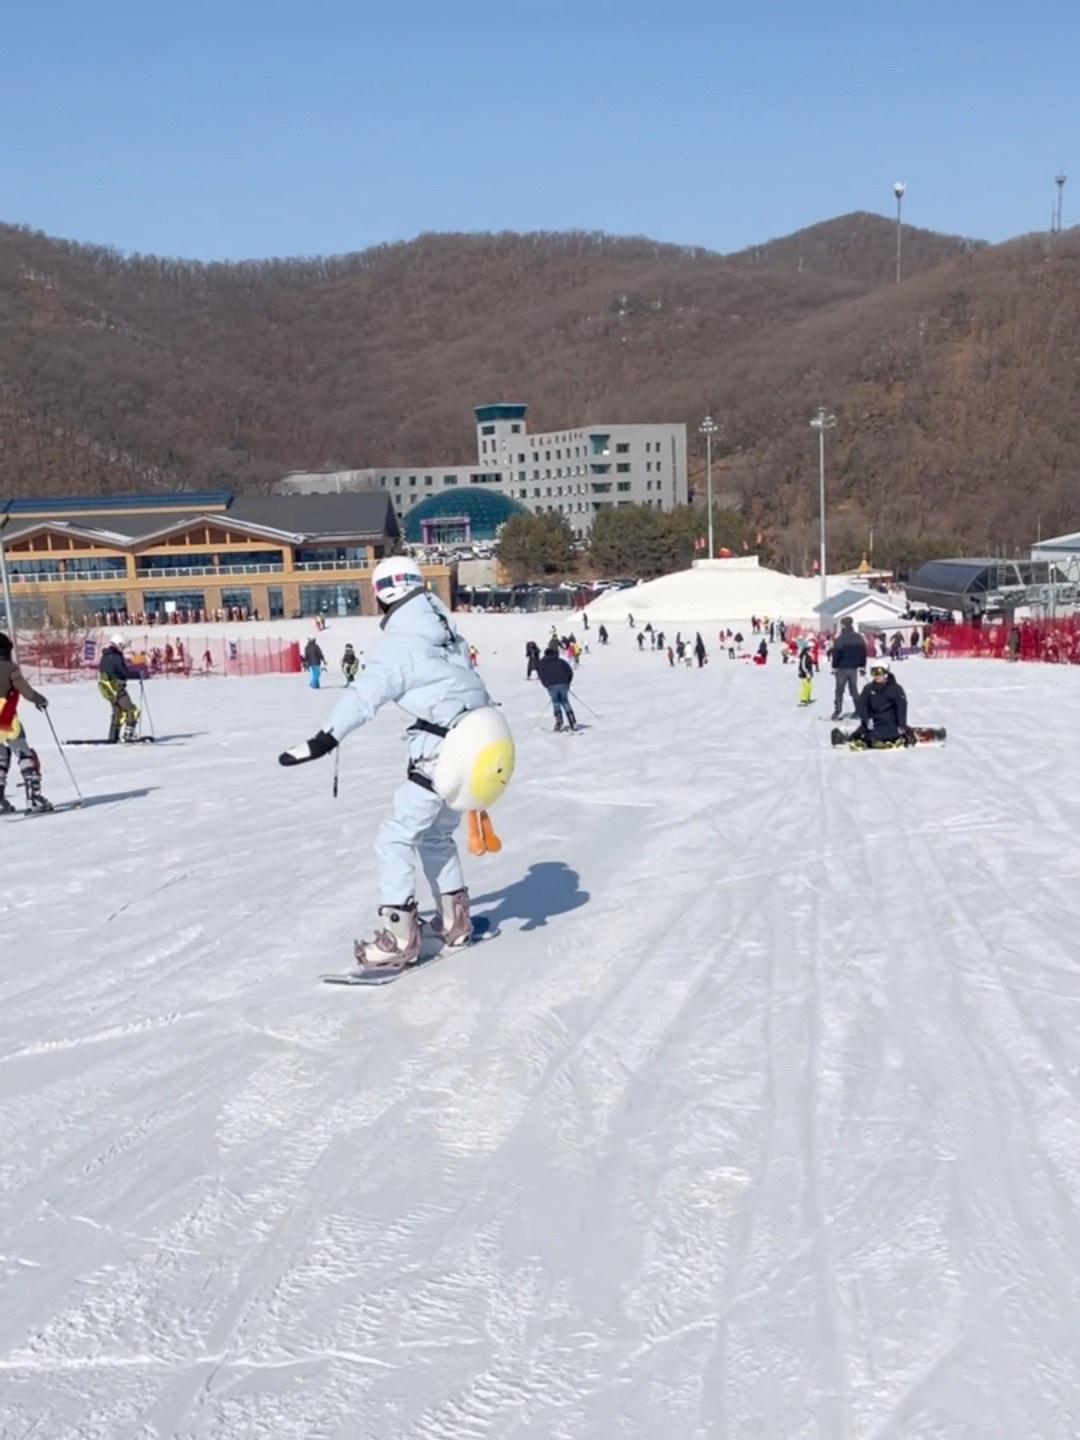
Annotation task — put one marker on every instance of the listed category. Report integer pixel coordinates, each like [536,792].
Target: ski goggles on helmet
[876,670]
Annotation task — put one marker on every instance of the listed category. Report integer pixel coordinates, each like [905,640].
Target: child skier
[805,673]
[423,666]
[350,665]
[13,741]
[113,674]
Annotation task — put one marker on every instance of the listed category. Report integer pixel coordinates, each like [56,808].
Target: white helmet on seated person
[394,578]
[118,641]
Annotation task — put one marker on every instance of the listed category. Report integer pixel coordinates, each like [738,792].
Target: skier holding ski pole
[13,686]
[556,675]
[113,674]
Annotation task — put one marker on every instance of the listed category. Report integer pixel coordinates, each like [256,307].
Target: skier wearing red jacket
[13,741]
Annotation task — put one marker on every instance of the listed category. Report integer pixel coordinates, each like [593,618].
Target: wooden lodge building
[108,559]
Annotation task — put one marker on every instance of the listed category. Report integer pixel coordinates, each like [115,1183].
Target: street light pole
[9,606]
[898,190]
[821,422]
[708,428]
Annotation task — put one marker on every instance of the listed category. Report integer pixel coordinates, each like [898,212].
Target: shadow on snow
[549,888]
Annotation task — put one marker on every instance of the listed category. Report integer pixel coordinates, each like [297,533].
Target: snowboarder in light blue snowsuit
[423,666]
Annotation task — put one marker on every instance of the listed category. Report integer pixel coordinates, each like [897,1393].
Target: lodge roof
[294,519]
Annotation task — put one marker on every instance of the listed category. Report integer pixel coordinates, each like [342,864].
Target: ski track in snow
[761,1116]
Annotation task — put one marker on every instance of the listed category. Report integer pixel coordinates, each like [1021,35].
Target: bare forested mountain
[954,392]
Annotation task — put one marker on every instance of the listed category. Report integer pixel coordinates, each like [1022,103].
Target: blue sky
[243,130]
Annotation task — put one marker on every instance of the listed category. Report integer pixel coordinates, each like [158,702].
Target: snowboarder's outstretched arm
[380,683]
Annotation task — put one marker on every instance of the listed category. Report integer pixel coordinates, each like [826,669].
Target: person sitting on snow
[882,711]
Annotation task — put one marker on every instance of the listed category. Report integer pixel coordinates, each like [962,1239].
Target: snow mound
[717,590]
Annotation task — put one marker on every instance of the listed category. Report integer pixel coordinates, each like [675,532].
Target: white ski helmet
[396,577]
[118,641]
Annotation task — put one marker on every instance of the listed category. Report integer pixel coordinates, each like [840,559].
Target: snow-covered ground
[760,1117]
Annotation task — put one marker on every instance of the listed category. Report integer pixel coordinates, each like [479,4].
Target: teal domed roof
[479,510]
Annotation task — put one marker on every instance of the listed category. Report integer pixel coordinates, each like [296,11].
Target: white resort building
[574,472]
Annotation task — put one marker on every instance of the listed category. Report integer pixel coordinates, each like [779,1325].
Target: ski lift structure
[991,587]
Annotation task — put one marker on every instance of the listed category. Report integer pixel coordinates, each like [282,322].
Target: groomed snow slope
[759,1118]
[728,593]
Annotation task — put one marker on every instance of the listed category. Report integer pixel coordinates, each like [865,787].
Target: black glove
[41,702]
[313,749]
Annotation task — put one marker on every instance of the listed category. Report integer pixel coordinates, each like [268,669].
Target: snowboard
[431,949]
[924,735]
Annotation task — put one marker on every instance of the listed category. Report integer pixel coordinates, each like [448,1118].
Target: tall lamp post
[898,190]
[821,422]
[8,604]
[1059,181]
[708,428]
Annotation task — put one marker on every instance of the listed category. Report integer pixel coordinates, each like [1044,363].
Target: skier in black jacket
[113,674]
[882,710]
[556,677]
[848,657]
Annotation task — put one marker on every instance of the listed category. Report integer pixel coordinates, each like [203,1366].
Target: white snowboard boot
[397,945]
[453,923]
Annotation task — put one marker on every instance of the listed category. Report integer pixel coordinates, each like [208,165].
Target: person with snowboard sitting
[423,666]
[882,711]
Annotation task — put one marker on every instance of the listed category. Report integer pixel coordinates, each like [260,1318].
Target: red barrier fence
[1049,642]
[72,656]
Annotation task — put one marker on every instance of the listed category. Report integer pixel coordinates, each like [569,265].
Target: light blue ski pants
[423,826]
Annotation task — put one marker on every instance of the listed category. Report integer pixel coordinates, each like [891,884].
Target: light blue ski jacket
[422,665]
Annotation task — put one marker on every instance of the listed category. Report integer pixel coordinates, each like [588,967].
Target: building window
[515,429]
[600,469]
[622,448]
[487,430]
[623,469]
[623,485]
[449,480]
[428,480]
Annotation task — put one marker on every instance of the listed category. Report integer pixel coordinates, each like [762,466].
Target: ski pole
[592,712]
[63,756]
[337,762]
[145,706]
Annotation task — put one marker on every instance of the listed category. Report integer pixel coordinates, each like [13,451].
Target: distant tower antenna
[898,190]
[1059,181]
